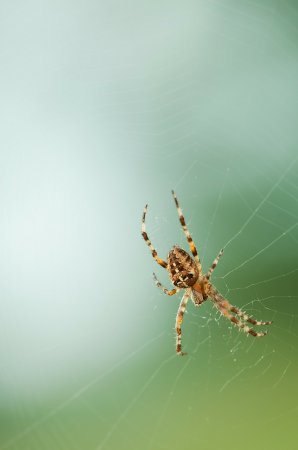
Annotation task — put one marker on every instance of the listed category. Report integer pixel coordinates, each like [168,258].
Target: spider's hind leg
[159,261]
[165,290]
[214,264]
[191,243]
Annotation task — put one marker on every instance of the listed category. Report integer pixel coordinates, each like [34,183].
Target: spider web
[125,387]
[213,344]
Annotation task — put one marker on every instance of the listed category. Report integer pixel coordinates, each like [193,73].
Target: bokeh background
[106,106]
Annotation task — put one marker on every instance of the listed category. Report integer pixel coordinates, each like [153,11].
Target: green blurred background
[106,106]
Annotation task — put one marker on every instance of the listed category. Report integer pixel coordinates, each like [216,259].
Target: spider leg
[226,308]
[179,319]
[214,264]
[247,318]
[187,234]
[225,312]
[165,290]
[160,261]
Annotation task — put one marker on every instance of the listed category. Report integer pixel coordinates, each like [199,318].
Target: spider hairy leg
[165,290]
[241,325]
[179,320]
[247,318]
[214,264]
[159,261]
[225,308]
[187,234]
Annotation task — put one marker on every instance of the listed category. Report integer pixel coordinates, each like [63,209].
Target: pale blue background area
[106,106]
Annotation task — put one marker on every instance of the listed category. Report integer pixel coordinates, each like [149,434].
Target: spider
[186,273]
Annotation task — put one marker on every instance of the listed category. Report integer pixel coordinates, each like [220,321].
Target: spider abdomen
[182,269]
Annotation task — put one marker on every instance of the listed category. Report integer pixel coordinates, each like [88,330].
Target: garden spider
[186,273]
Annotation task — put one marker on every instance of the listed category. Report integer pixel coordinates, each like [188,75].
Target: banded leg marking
[187,234]
[179,320]
[247,318]
[225,304]
[160,261]
[214,264]
[241,325]
[165,290]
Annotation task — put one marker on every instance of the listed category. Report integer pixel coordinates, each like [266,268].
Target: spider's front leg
[247,318]
[241,325]
[179,320]
[225,308]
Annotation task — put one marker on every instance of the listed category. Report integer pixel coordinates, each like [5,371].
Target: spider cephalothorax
[186,273]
